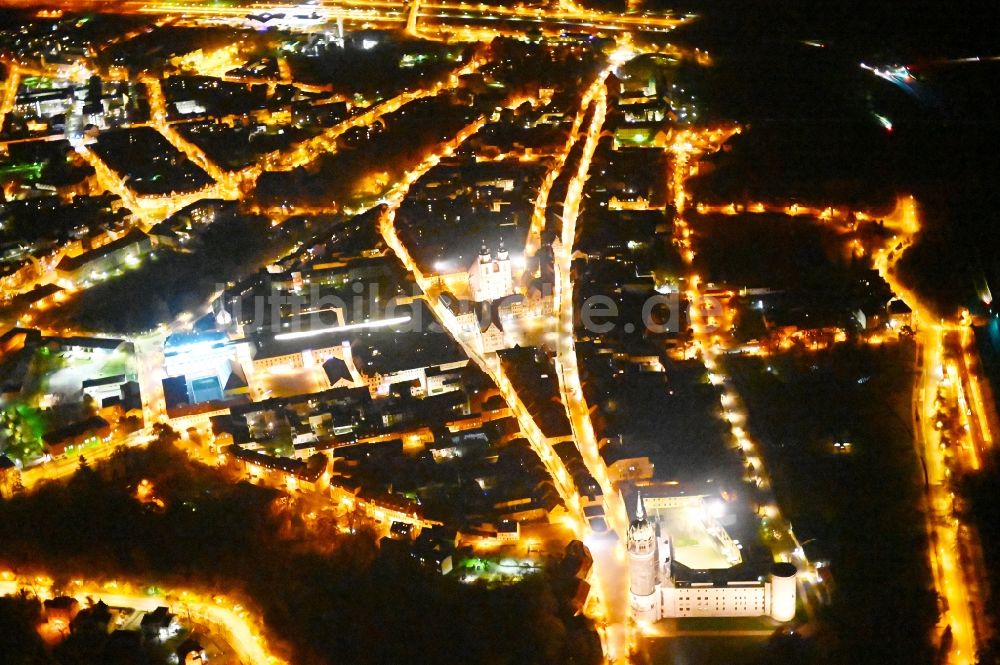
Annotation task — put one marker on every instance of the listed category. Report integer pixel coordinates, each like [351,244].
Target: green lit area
[30,170]
[506,570]
[412,60]
[633,137]
[21,429]
[36,82]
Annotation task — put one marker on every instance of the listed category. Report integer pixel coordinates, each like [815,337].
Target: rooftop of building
[104,381]
[72,430]
[71,263]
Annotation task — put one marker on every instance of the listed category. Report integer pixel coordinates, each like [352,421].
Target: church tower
[490,278]
[505,279]
[644,592]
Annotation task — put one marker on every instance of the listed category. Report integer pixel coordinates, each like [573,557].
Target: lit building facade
[490,278]
[656,592]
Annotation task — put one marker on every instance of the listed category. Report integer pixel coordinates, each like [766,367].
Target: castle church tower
[644,592]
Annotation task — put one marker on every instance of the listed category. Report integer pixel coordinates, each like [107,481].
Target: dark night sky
[924,27]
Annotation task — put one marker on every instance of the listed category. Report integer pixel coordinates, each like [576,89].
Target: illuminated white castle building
[660,587]
[490,278]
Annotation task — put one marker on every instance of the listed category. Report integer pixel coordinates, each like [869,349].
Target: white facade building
[491,278]
[655,593]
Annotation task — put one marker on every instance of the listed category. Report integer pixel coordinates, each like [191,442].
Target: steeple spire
[640,510]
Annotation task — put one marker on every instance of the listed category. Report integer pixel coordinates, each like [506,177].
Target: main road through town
[609,555]
[606,604]
[958,580]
